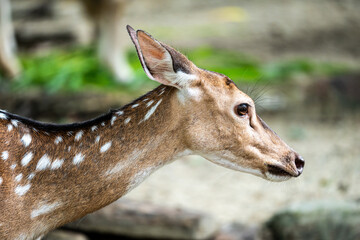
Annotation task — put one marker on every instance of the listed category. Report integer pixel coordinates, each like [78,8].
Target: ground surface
[332,153]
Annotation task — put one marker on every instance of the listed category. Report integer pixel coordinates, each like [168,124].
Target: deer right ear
[161,62]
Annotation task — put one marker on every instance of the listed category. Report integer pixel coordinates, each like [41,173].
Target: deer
[53,174]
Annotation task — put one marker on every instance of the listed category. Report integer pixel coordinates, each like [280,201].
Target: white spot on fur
[57,163]
[145,99]
[69,148]
[5,155]
[149,103]
[189,93]
[79,135]
[97,139]
[15,122]
[1,181]
[105,147]
[58,140]
[43,163]
[78,158]
[26,140]
[21,190]
[151,111]
[119,113]
[35,130]
[13,166]
[162,91]
[94,128]
[18,177]
[31,176]
[3,116]
[135,154]
[10,127]
[26,159]
[43,209]
[135,105]
[112,120]
[103,124]
[127,120]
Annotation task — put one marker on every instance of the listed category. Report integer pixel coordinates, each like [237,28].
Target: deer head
[220,121]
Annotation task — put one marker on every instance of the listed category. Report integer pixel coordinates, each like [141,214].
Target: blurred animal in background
[336,97]
[104,16]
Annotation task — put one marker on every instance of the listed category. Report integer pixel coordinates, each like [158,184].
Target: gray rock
[328,220]
[64,235]
[238,231]
[139,219]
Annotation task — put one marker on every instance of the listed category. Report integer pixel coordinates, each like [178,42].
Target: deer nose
[299,163]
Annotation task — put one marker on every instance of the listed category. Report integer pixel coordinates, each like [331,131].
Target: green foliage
[80,69]
[243,68]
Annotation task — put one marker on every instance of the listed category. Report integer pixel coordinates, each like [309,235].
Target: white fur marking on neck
[43,209]
[135,105]
[3,116]
[18,177]
[151,111]
[78,158]
[79,135]
[43,163]
[149,103]
[15,122]
[58,140]
[5,155]
[31,176]
[189,93]
[57,163]
[127,120]
[119,113]
[26,139]
[93,128]
[13,166]
[26,159]
[135,154]
[10,127]
[1,181]
[105,147]
[21,190]
[97,139]
[112,120]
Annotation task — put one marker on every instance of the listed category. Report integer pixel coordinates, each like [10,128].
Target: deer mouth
[278,171]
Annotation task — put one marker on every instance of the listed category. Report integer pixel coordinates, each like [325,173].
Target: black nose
[299,163]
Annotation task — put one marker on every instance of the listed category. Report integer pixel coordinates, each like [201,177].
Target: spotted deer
[52,174]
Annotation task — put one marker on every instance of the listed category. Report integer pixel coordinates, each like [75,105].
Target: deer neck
[61,173]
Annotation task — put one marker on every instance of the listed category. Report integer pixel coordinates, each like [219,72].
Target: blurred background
[64,61]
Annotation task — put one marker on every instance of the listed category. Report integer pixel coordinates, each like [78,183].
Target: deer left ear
[161,62]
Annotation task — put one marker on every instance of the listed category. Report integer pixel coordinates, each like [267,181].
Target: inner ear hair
[179,61]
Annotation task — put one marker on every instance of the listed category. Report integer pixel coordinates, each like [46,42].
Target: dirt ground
[332,154]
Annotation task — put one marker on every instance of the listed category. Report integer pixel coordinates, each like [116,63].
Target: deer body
[54,174]
[59,168]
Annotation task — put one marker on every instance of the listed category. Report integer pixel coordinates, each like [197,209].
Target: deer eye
[242,109]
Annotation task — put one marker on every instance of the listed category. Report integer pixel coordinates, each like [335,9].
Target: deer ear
[161,62]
